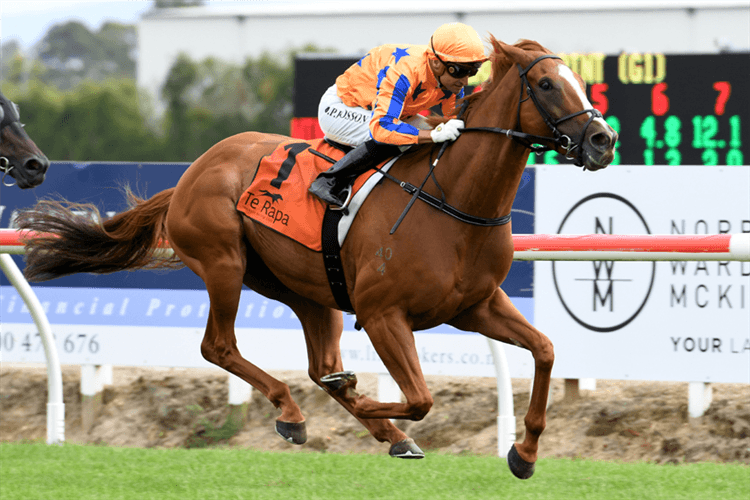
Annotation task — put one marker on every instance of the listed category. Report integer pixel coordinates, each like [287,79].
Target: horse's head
[20,158]
[553,100]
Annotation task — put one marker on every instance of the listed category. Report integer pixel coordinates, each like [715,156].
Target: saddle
[278,198]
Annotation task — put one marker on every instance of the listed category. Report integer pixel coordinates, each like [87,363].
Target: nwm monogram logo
[600,281]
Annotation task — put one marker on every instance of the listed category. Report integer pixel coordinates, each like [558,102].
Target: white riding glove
[448,131]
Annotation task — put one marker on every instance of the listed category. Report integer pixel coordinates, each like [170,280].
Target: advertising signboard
[681,321]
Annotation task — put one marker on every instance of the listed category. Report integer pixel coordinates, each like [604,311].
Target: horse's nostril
[604,140]
[36,164]
[600,141]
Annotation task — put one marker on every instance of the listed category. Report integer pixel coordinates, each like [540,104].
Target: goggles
[457,70]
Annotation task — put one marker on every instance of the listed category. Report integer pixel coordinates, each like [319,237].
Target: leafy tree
[105,119]
[210,100]
[70,53]
[93,122]
[17,69]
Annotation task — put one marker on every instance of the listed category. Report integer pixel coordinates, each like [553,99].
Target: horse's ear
[514,53]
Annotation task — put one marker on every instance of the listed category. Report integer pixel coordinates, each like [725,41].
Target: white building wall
[248,29]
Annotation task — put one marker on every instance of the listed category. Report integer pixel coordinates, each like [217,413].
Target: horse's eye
[545,85]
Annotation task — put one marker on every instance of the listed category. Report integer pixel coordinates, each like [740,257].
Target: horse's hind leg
[219,259]
[498,318]
[219,346]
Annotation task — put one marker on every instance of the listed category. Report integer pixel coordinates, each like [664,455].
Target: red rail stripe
[682,243]
[13,237]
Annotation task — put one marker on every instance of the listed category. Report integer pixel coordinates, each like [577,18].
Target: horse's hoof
[291,432]
[406,449]
[336,381]
[518,466]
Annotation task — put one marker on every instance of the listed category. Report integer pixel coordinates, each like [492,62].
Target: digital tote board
[668,109]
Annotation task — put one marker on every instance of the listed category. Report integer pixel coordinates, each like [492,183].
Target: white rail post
[240,395]
[93,380]
[388,389]
[700,395]
[55,405]
[587,384]
[506,418]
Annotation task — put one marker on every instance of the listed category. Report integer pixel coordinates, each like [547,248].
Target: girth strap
[332,259]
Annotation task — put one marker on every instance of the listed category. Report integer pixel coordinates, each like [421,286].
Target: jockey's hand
[448,131]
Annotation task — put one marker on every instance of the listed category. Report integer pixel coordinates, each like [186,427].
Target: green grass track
[31,471]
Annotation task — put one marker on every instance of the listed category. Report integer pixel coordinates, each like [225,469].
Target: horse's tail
[73,238]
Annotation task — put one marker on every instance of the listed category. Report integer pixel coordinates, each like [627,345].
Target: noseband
[530,140]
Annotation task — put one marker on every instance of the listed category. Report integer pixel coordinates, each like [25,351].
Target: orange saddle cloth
[278,196]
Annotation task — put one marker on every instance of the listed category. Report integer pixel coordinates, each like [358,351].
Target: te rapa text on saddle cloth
[278,196]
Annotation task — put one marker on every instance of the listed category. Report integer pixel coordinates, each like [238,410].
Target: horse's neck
[487,166]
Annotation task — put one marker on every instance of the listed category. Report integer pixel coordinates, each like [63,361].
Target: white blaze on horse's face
[567,73]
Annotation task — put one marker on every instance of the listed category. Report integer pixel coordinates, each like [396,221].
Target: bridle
[532,141]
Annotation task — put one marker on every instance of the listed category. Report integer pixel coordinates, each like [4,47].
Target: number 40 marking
[385,254]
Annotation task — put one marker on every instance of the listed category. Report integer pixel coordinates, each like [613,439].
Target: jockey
[374,105]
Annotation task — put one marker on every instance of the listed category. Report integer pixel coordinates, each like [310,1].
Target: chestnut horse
[20,158]
[441,269]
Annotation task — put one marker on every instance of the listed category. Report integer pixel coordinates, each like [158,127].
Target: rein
[441,205]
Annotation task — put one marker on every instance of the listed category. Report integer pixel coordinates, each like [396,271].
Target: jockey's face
[445,79]
[454,84]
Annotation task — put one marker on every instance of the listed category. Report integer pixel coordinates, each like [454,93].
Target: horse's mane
[501,64]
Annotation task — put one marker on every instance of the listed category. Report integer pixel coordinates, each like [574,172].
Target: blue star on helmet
[399,53]
[381,75]
[359,63]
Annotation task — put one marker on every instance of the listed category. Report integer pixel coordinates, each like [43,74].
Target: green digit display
[705,129]
[698,132]
[648,157]
[735,157]
[614,122]
[735,140]
[672,136]
[673,157]
[710,157]
[648,131]
[550,158]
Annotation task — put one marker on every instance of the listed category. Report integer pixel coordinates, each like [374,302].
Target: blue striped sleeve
[391,121]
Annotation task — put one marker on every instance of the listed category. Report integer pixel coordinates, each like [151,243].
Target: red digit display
[659,100]
[725,90]
[599,100]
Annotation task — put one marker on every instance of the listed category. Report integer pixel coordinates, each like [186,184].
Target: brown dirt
[176,408]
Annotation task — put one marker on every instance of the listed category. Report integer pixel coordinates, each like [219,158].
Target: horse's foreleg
[323,327]
[498,319]
[393,340]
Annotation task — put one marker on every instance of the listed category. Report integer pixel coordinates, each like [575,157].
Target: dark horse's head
[552,107]
[20,158]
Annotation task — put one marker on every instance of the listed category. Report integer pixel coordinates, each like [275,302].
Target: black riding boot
[332,185]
